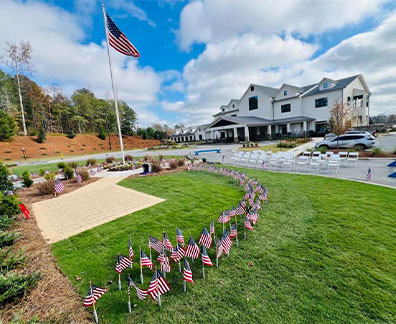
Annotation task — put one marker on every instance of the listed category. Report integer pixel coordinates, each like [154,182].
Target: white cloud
[60,57]
[205,21]
[172,106]
[132,9]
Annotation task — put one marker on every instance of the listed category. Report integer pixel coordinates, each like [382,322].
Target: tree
[128,119]
[5,183]
[41,135]
[18,58]
[340,119]
[7,126]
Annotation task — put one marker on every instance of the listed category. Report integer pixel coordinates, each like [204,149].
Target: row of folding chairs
[346,158]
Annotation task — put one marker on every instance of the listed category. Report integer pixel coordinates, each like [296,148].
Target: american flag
[79,178]
[161,257]
[253,216]
[158,285]
[211,227]
[167,243]
[257,204]
[368,176]
[93,294]
[251,200]
[165,264]
[205,239]
[226,242]
[187,273]
[155,244]
[179,236]
[258,189]
[59,187]
[130,249]
[192,250]
[119,41]
[176,253]
[233,230]
[232,212]
[219,249]
[205,257]
[248,225]
[122,263]
[240,210]
[141,293]
[145,261]
[223,218]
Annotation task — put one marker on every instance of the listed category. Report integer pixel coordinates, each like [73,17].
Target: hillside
[60,144]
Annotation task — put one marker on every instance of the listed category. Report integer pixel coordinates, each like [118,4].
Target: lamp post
[23,151]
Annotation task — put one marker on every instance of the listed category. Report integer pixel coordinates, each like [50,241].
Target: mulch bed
[163,172]
[54,299]
[368,154]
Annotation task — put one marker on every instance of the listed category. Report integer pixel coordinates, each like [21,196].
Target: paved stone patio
[92,205]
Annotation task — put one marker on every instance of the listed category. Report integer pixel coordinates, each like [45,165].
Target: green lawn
[323,251]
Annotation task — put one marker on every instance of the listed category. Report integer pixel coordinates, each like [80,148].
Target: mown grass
[323,251]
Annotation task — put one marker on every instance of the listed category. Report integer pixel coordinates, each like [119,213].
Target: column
[288,128]
[246,134]
[235,135]
[269,131]
[276,129]
[304,126]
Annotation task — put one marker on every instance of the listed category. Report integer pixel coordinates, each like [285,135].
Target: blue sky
[197,55]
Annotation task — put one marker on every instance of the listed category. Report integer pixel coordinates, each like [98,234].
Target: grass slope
[323,251]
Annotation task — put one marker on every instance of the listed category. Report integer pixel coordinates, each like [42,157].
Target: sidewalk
[306,147]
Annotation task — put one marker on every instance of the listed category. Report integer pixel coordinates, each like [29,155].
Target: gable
[222,122]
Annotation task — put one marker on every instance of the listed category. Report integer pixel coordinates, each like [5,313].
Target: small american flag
[192,250]
[205,257]
[119,41]
[130,249]
[226,242]
[141,293]
[122,263]
[248,225]
[240,210]
[167,243]
[158,285]
[176,254]
[219,249]
[223,218]
[179,236]
[79,179]
[93,294]
[187,273]
[145,261]
[232,212]
[155,244]
[233,230]
[165,264]
[59,187]
[205,239]
[368,176]
[211,227]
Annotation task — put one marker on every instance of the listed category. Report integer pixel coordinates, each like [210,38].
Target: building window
[285,108]
[251,88]
[367,100]
[321,102]
[285,92]
[234,115]
[325,85]
[233,106]
[253,103]
[200,137]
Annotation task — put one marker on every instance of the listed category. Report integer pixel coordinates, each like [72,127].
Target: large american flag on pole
[118,40]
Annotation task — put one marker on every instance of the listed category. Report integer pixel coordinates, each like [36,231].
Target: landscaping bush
[110,159]
[323,149]
[129,158]
[49,176]
[61,165]
[156,166]
[91,162]
[5,183]
[41,135]
[377,151]
[8,238]
[6,222]
[33,132]
[7,126]
[9,205]
[204,160]
[16,285]
[180,162]
[47,187]
[27,180]
[73,164]
[68,172]
[160,157]
[42,172]
[70,133]
[84,174]
[173,164]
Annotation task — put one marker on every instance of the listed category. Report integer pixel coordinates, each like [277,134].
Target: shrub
[42,172]
[377,151]
[156,167]
[7,126]
[68,172]
[73,164]
[16,285]
[204,160]
[323,149]
[91,162]
[102,133]
[61,165]
[160,157]
[129,158]
[8,238]
[9,205]
[27,180]
[33,132]
[180,162]
[49,176]
[70,133]
[41,135]
[83,173]
[110,159]
[5,183]
[173,164]
[47,187]
[6,222]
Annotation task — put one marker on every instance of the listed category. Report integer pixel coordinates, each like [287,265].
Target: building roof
[220,113]
[268,90]
[339,84]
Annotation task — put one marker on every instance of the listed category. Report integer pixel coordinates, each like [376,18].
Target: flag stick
[130,237]
[93,305]
[236,225]
[184,286]
[203,270]
[192,260]
[119,281]
[223,221]
[112,85]
[217,259]
[156,288]
[141,268]
[150,249]
[129,296]
[179,266]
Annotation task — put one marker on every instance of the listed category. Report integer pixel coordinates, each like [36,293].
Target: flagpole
[112,84]
[93,304]
[130,239]
[141,268]
[236,226]
[156,288]
[150,249]
[129,296]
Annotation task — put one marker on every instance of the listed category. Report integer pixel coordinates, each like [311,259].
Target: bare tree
[18,58]
[340,119]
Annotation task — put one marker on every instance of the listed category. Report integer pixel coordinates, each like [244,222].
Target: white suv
[357,141]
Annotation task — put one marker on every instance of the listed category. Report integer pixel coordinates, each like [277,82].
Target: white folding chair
[343,158]
[353,158]
[245,158]
[323,161]
[289,162]
[334,163]
[316,153]
[314,163]
[302,162]
[273,162]
[236,158]
[307,153]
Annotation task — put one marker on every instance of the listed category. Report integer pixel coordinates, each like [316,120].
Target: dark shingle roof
[340,84]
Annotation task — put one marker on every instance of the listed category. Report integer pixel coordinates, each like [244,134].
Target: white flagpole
[112,84]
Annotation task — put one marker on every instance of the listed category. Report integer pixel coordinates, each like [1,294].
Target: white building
[262,111]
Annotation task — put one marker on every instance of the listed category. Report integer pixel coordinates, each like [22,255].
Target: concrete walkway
[92,205]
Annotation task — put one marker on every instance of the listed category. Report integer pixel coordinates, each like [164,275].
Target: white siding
[322,113]
[295,109]
[264,104]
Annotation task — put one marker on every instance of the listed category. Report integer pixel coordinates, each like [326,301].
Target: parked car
[329,135]
[361,132]
[357,141]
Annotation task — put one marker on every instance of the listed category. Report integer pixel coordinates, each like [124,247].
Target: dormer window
[233,106]
[325,85]
[285,92]
[251,88]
